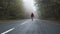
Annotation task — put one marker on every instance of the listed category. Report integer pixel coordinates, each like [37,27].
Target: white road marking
[14,28]
[25,22]
[8,31]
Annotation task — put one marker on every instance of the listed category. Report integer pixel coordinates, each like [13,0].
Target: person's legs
[32,18]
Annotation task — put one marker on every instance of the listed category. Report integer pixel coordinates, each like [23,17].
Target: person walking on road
[32,16]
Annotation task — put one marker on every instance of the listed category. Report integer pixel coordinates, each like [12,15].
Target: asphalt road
[30,27]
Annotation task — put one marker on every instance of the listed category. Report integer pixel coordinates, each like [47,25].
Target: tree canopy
[11,9]
[48,8]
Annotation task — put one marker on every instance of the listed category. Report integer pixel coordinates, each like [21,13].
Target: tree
[48,8]
[11,9]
